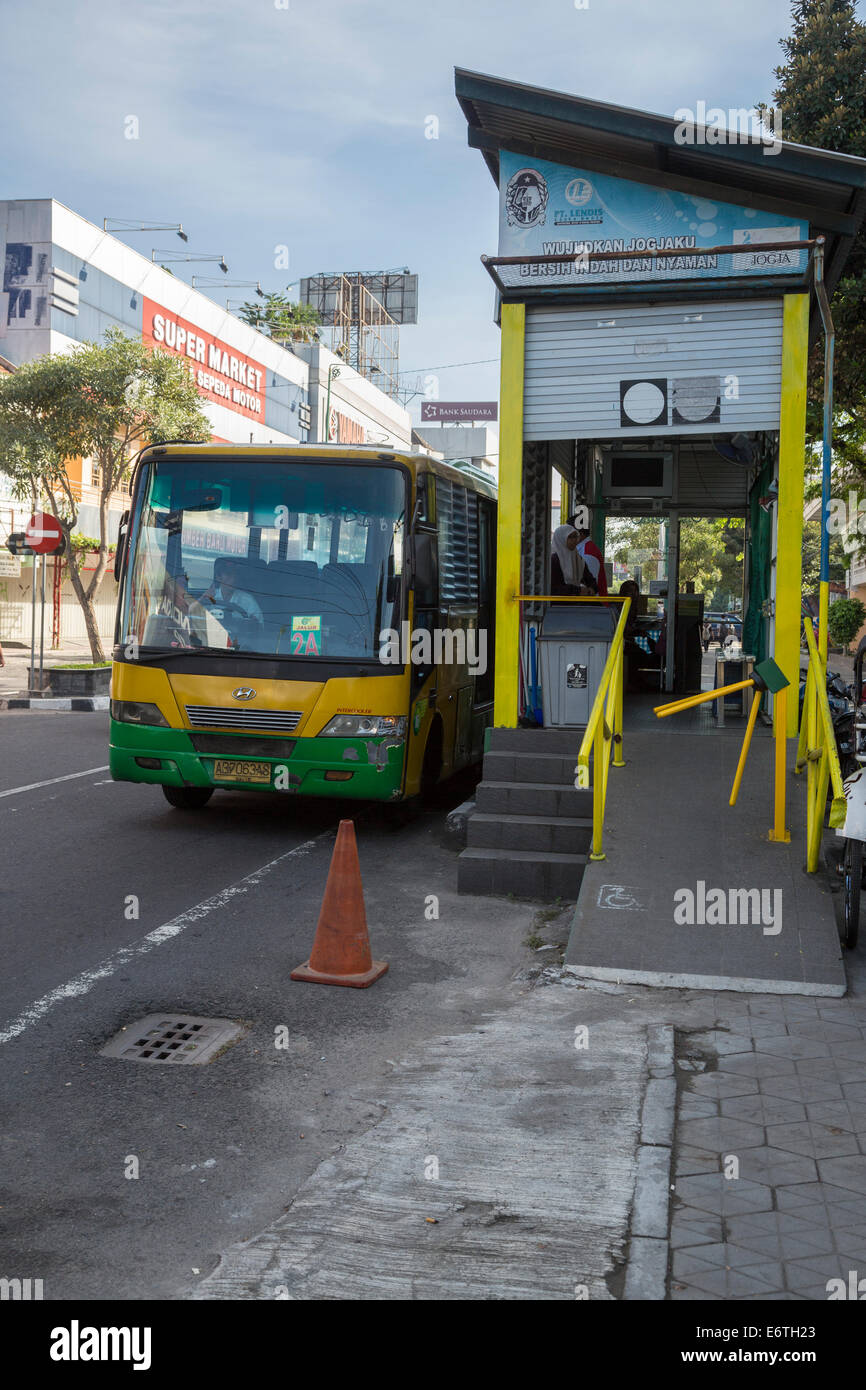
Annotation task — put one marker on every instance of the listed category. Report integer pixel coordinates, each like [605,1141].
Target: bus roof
[352,453]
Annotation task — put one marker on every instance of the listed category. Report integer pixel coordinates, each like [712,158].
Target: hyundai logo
[244,692]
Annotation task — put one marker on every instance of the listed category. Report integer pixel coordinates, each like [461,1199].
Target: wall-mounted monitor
[637,474]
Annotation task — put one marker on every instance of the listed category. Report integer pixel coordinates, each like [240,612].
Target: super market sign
[548,209]
[221,373]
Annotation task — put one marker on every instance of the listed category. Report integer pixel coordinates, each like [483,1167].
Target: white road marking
[83,983]
[70,776]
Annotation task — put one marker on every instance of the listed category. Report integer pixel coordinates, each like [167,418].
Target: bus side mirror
[425,569]
[120,551]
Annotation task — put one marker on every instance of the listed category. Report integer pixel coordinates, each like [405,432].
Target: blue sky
[305,126]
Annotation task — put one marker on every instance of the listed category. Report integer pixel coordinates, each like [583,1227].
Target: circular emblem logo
[526,199]
[578,192]
[244,692]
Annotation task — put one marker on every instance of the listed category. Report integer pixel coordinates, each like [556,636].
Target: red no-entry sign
[43,533]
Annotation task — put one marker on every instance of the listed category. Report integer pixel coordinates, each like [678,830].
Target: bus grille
[225,717]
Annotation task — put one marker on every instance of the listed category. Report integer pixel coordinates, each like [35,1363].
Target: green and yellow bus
[312,620]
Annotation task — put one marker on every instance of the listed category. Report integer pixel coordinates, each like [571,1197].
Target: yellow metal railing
[604,730]
[604,733]
[816,751]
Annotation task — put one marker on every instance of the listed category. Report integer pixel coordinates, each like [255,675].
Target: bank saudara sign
[221,374]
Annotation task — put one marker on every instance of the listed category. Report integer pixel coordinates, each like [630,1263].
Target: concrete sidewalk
[13,675]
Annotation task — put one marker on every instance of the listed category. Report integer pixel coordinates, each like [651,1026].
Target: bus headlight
[365,726]
[134,712]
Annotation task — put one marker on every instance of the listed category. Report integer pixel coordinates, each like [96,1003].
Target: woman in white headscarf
[567,567]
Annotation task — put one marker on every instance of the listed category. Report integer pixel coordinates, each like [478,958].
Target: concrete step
[564,741]
[533,799]
[500,872]
[556,769]
[538,834]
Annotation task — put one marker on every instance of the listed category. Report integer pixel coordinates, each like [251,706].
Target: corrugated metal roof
[826,188]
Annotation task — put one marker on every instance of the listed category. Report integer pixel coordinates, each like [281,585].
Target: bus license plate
[232,770]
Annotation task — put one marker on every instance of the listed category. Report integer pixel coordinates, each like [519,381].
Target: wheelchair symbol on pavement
[616,895]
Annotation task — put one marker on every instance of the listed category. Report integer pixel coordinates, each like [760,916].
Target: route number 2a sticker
[306,638]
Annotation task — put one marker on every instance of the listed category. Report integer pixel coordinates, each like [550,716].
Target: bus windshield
[283,559]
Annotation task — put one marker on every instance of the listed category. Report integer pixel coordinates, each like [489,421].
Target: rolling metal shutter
[581,362]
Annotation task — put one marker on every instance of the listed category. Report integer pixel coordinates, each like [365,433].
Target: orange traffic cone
[341,950]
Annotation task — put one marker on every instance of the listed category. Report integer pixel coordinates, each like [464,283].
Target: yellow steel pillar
[509,526]
[789,535]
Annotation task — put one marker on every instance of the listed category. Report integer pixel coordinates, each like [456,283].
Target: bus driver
[239,607]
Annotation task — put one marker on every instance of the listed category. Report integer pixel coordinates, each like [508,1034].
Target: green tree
[845,618]
[711,553]
[101,402]
[282,320]
[821,95]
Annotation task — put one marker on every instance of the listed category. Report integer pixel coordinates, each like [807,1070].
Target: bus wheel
[188,798]
[431,767]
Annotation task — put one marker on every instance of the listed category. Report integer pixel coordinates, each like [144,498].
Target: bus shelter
[651,362]
[660,287]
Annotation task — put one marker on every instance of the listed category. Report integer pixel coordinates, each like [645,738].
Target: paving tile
[721,1135]
[730,1255]
[772,1223]
[853,1248]
[685,1263]
[851,1052]
[788,1246]
[783,1296]
[689,1160]
[734,1283]
[855,1091]
[795,1197]
[767,1007]
[844,1172]
[714,1193]
[815,1140]
[753,1027]
[834,1070]
[813,1272]
[764,1110]
[720,1084]
[794,1045]
[838,1114]
[802,1088]
[685,1293]
[756,1064]
[690,1107]
[776,1167]
[686,1234]
[824,1030]
[720,1041]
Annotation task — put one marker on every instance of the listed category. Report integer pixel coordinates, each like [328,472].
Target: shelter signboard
[550,209]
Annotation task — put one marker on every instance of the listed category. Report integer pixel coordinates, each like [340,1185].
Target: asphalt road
[227,900]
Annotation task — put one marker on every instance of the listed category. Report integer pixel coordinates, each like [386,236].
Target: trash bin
[573,644]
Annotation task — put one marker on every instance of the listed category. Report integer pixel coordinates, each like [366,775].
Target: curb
[646,1273]
[87,703]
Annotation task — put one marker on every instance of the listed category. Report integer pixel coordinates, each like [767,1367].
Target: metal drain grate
[172,1038]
